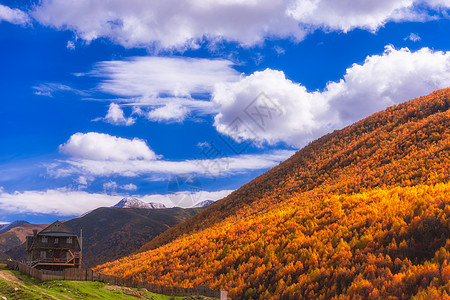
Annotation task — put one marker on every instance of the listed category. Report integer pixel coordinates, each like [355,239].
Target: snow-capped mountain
[204,203]
[130,202]
[156,205]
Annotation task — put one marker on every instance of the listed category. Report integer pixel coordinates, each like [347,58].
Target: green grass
[74,289]
[8,290]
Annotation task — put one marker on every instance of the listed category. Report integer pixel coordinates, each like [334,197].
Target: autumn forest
[361,213]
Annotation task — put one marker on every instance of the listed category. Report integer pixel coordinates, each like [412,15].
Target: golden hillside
[363,211]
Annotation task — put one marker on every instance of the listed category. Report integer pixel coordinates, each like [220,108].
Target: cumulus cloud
[14,16]
[170,23]
[186,23]
[129,187]
[104,147]
[287,112]
[413,37]
[265,106]
[111,187]
[169,112]
[347,15]
[116,116]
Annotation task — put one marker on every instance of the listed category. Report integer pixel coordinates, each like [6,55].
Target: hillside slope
[403,145]
[16,235]
[363,211]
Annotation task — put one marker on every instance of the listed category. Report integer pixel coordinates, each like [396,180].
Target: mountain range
[112,232]
[360,213]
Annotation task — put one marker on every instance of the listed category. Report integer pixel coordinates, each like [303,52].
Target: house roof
[56,229]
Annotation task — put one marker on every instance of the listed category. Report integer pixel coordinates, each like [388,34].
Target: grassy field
[15,285]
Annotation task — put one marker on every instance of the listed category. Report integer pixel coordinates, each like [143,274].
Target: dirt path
[20,282]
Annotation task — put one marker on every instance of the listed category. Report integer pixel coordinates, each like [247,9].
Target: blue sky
[187,101]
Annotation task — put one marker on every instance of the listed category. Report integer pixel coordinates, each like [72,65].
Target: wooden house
[55,247]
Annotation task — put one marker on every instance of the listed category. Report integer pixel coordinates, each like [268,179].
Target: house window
[56,241]
[69,240]
[44,239]
[43,254]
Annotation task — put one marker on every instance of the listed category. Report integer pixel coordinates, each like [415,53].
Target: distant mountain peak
[131,202]
[204,203]
[156,205]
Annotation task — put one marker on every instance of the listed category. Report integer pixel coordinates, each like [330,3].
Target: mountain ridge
[16,234]
[111,232]
[131,202]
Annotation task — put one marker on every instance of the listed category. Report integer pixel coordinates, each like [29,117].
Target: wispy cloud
[49,89]
[161,89]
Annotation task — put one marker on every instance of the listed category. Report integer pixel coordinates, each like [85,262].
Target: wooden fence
[90,275]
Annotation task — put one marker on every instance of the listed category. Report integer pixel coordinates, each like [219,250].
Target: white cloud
[347,15]
[186,199]
[169,112]
[294,115]
[83,181]
[439,3]
[186,23]
[116,116]
[70,203]
[151,77]
[70,45]
[170,23]
[286,107]
[133,168]
[60,202]
[49,89]
[413,37]
[104,147]
[129,187]
[162,89]
[14,16]
[110,186]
